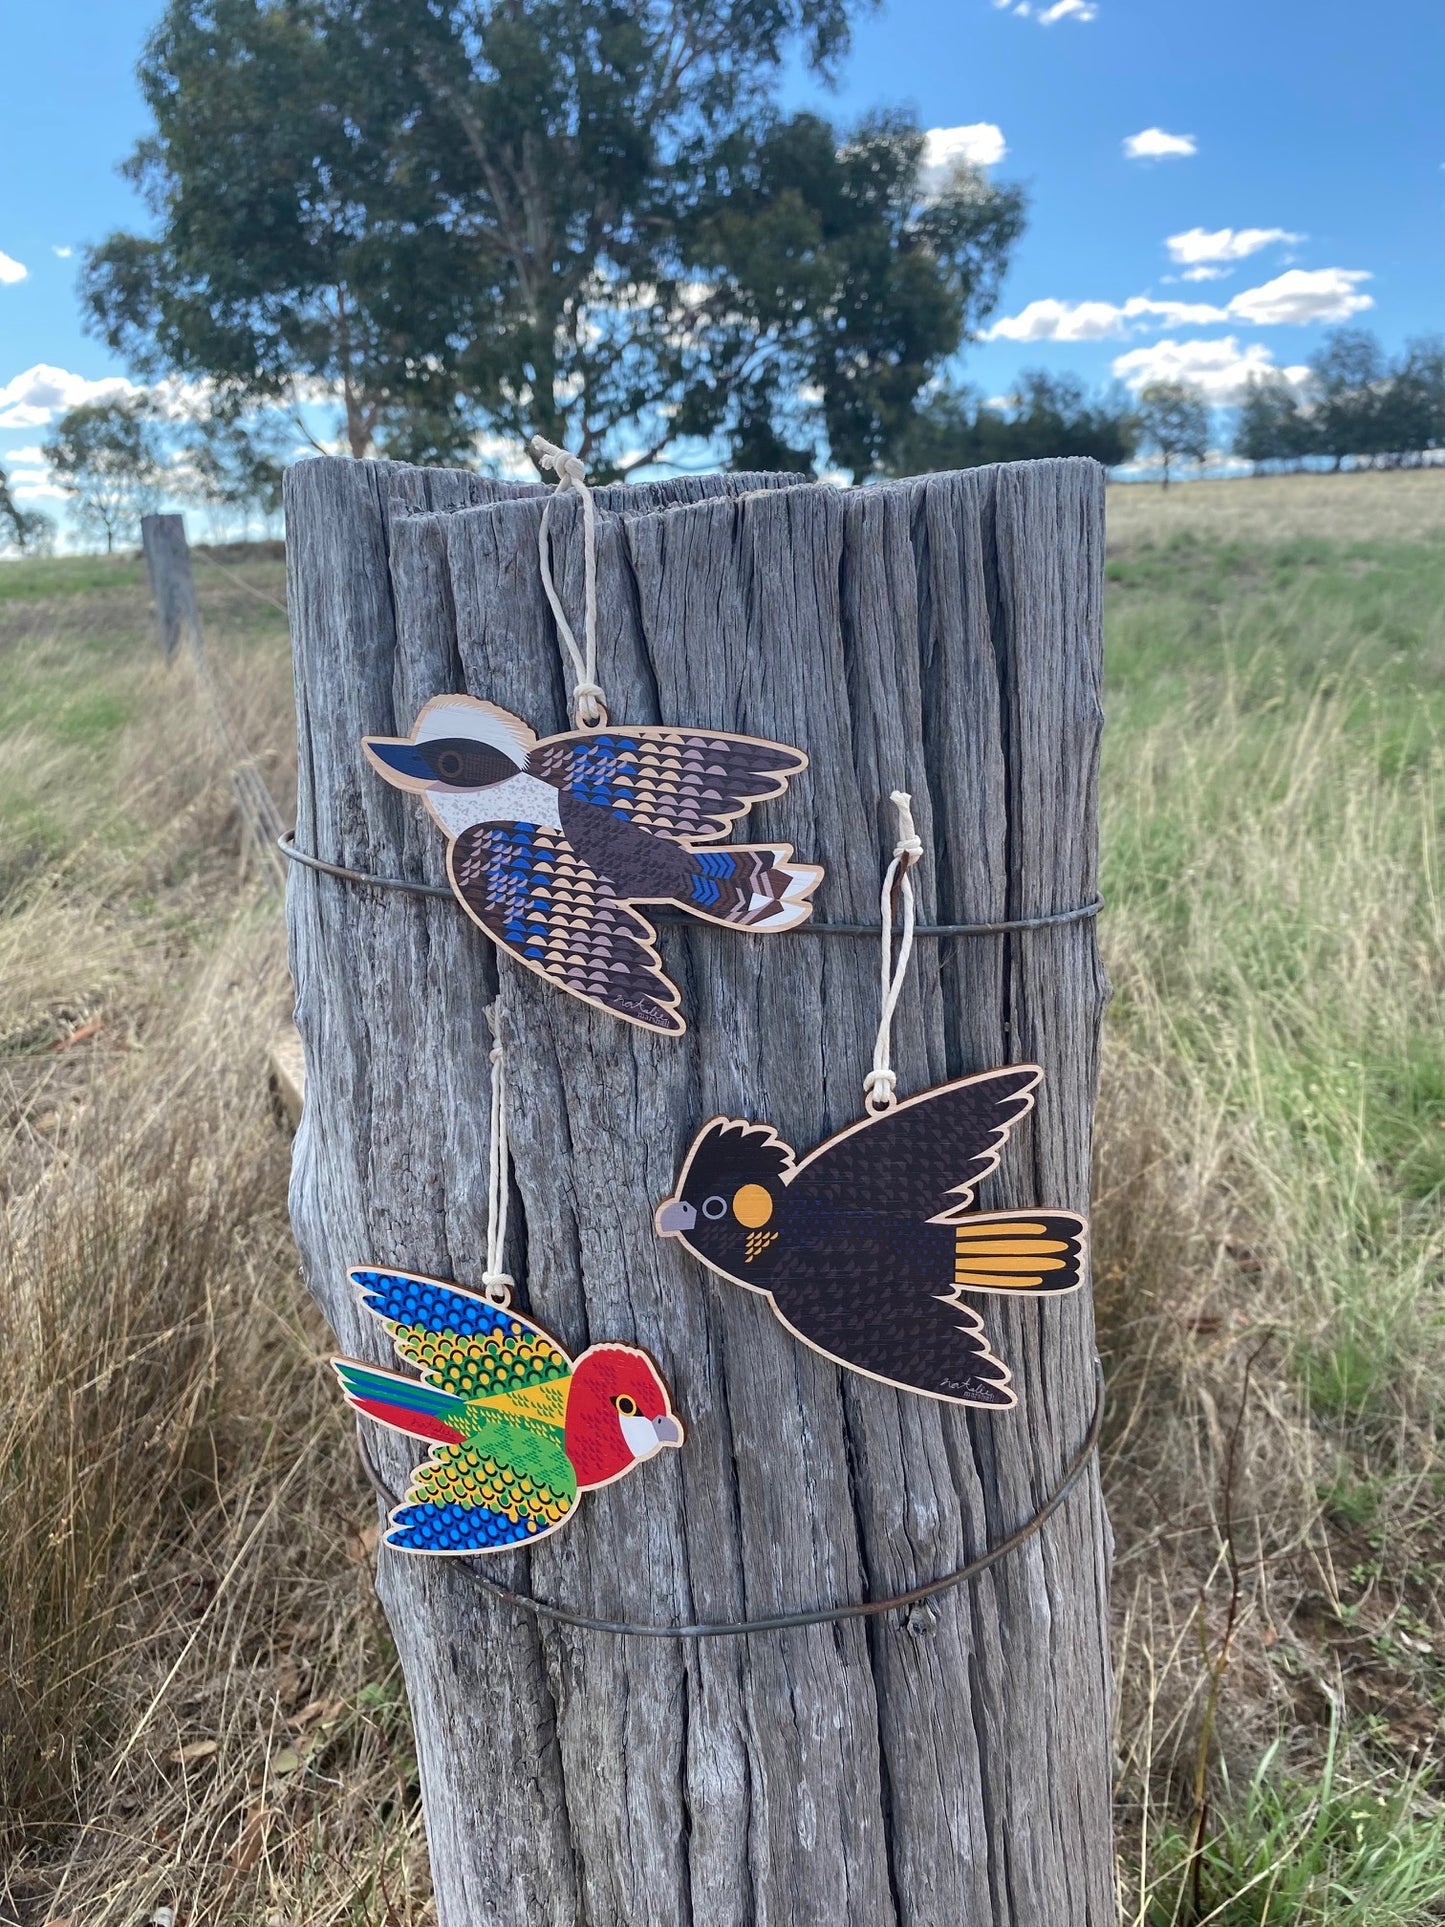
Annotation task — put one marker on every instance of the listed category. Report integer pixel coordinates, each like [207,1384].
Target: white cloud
[1153,144]
[36,488]
[1080,10]
[1198,244]
[1202,274]
[1302,295]
[29,474]
[1220,367]
[11,271]
[34,399]
[979,145]
[1295,298]
[1051,320]
[62,254]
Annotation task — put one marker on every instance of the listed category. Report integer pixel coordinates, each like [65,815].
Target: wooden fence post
[942,635]
[168,564]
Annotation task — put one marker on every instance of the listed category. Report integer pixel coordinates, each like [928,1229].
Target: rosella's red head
[617,1413]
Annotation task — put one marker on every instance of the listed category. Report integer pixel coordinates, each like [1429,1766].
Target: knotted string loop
[496,1283]
[589,705]
[880,1085]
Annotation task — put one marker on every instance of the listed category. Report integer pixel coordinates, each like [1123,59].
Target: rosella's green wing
[510,1480]
[507,1485]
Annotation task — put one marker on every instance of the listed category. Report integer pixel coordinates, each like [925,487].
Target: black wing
[681,783]
[921,1343]
[926,1155]
[532,893]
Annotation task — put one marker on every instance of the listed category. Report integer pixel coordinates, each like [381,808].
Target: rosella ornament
[518,1429]
[864,1246]
[551,842]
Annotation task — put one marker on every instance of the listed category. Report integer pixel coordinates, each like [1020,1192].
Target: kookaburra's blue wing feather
[530,890]
[682,783]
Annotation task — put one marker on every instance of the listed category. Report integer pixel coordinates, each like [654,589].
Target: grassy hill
[200,1708]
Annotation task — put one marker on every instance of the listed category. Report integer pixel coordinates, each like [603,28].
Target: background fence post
[942,635]
[168,564]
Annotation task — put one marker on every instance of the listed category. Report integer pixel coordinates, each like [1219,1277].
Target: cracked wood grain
[942,635]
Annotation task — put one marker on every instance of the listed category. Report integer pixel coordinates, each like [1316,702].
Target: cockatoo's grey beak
[668,1431]
[673,1217]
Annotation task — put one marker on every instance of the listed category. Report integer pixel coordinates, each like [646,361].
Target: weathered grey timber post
[168,564]
[943,636]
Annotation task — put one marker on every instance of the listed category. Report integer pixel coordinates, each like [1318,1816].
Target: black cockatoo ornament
[864,1246]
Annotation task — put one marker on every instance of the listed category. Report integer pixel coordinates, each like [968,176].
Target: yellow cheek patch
[752,1206]
[758,1241]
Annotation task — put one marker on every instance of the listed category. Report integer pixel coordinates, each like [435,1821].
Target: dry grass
[202,1709]
[198,1705]
[1271,1161]
[1407,505]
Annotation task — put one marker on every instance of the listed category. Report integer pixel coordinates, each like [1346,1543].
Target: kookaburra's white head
[468,759]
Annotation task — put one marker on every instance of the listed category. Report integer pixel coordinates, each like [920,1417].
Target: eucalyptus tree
[1174,422]
[583,217]
[107,457]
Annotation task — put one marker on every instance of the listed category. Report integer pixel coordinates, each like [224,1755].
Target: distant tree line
[1356,406]
[1045,415]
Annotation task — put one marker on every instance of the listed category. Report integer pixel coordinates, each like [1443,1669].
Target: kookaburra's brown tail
[754,886]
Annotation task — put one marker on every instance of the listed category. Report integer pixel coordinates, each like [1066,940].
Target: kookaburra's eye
[449,764]
[626,1405]
[714,1208]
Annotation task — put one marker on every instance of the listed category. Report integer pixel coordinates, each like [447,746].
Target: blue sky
[1294,152]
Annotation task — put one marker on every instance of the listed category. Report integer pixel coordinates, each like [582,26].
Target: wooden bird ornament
[551,842]
[864,1246]
[518,1429]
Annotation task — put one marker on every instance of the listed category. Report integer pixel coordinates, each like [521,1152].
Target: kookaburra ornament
[867,1247]
[518,1429]
[552,842]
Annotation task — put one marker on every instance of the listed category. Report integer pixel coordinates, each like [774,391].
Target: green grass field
[200,1708]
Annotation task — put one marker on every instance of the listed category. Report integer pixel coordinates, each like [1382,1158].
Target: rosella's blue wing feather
[457,1528]
[422,1304]
[680,783]
[531,891]
[459,1341]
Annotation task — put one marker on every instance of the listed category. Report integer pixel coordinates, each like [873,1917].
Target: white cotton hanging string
[589,707]
[879,1086]
[496,1283]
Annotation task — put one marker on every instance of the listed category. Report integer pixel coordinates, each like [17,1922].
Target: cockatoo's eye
[626,1405]
[715,1208]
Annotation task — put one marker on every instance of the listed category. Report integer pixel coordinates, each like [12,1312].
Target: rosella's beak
[668,1430]
[673,1217]
[400,762]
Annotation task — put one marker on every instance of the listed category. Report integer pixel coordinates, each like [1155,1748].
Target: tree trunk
[943,636]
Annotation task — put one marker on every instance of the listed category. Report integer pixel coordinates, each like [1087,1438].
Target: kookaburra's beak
[674,1216]
[400,762]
